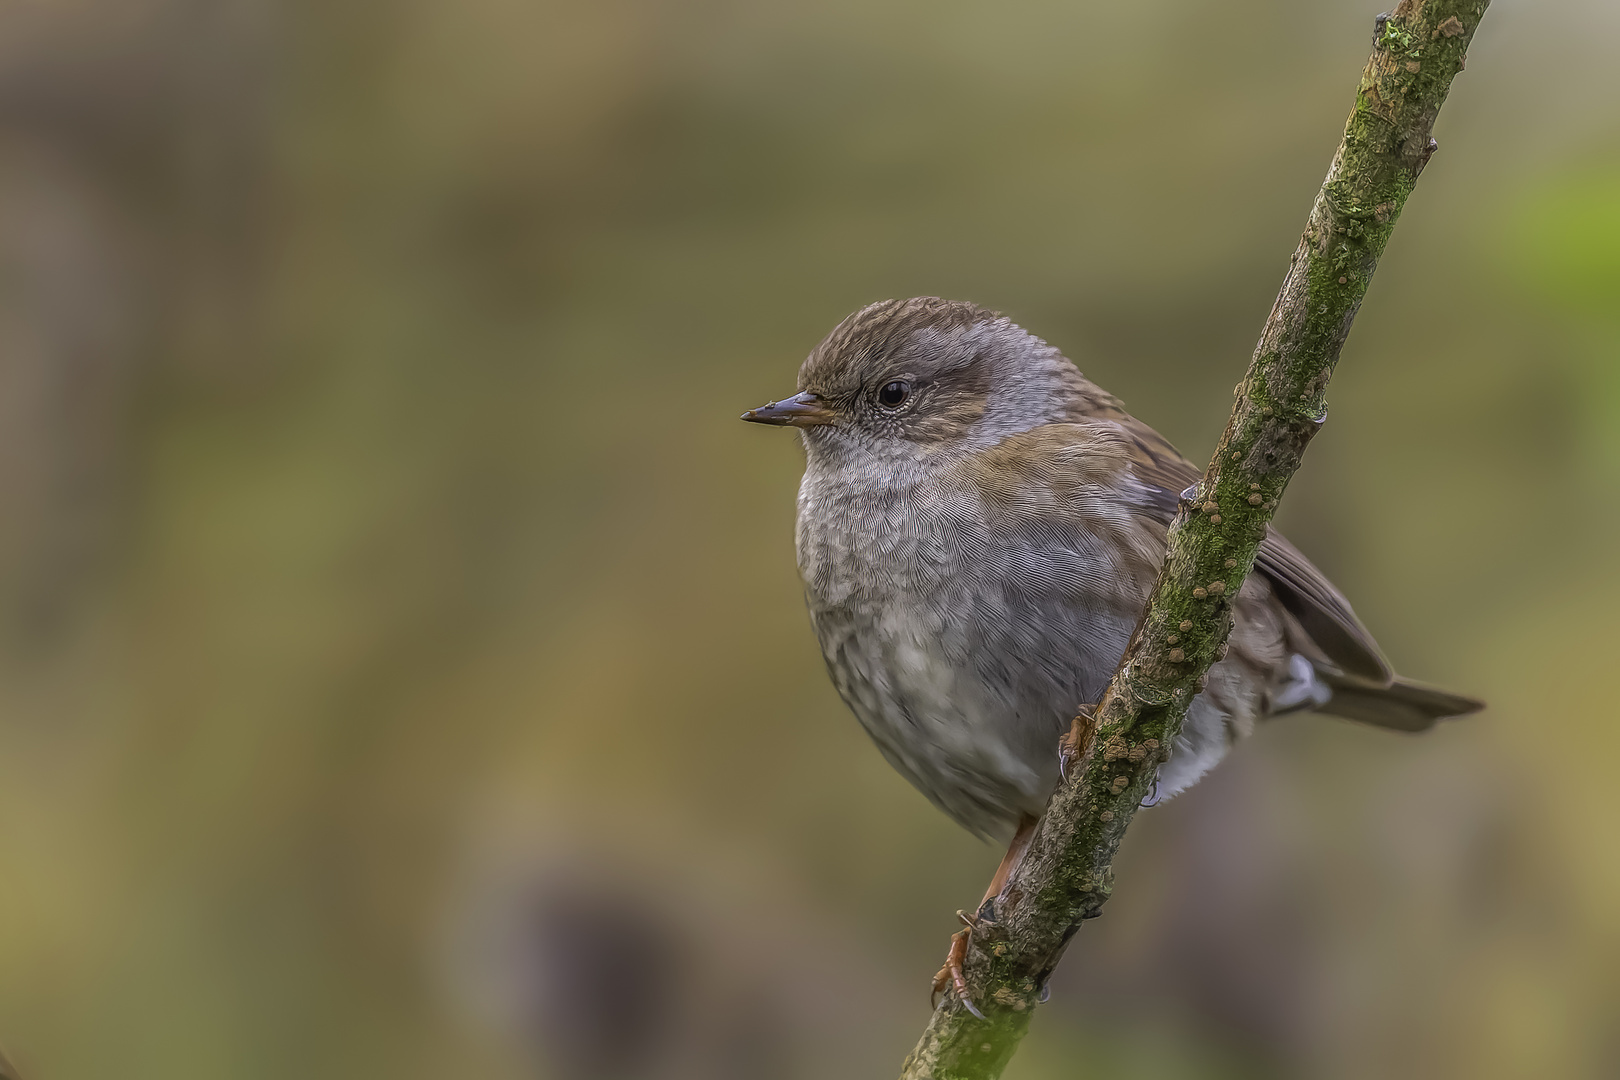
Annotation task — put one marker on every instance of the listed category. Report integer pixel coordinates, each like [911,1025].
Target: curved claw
[950,976]
[1077,740]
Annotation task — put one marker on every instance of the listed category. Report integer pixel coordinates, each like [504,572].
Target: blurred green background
[403,670]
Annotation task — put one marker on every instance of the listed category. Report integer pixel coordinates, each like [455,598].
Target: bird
[979,527]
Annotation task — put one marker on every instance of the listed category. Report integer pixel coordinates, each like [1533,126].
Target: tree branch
[1114,753]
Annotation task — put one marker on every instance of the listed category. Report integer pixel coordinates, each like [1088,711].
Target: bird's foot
[950,976]
[1076,743]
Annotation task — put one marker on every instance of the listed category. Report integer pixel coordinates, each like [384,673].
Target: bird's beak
[800,410]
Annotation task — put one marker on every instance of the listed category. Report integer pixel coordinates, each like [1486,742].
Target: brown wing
[1322,610]
[1307,594]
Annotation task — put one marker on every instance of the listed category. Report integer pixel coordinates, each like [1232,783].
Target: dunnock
[979,528]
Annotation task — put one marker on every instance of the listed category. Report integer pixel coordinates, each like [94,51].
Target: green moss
[1396,38]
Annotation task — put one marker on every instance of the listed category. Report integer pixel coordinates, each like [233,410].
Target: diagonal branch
[1113,755]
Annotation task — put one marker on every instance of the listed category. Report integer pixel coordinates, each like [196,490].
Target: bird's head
[913,377]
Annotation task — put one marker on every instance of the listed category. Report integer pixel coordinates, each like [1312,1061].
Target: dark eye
[894,394]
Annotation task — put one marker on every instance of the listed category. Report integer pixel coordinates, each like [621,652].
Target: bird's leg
[1073,746]
[1076,743]
[950,976]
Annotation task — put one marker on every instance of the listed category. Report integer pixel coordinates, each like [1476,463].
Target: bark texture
[1113,751]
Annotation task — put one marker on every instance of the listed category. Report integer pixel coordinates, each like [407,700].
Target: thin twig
[1114,754]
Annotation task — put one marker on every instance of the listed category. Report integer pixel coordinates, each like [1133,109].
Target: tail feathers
[1401,706]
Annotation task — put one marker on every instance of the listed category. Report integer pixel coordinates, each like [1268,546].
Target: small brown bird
[979,528]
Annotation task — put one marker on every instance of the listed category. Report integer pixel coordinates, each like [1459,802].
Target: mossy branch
[1114,751]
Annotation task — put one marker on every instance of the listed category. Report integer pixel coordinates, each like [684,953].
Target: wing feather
[1320,609]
